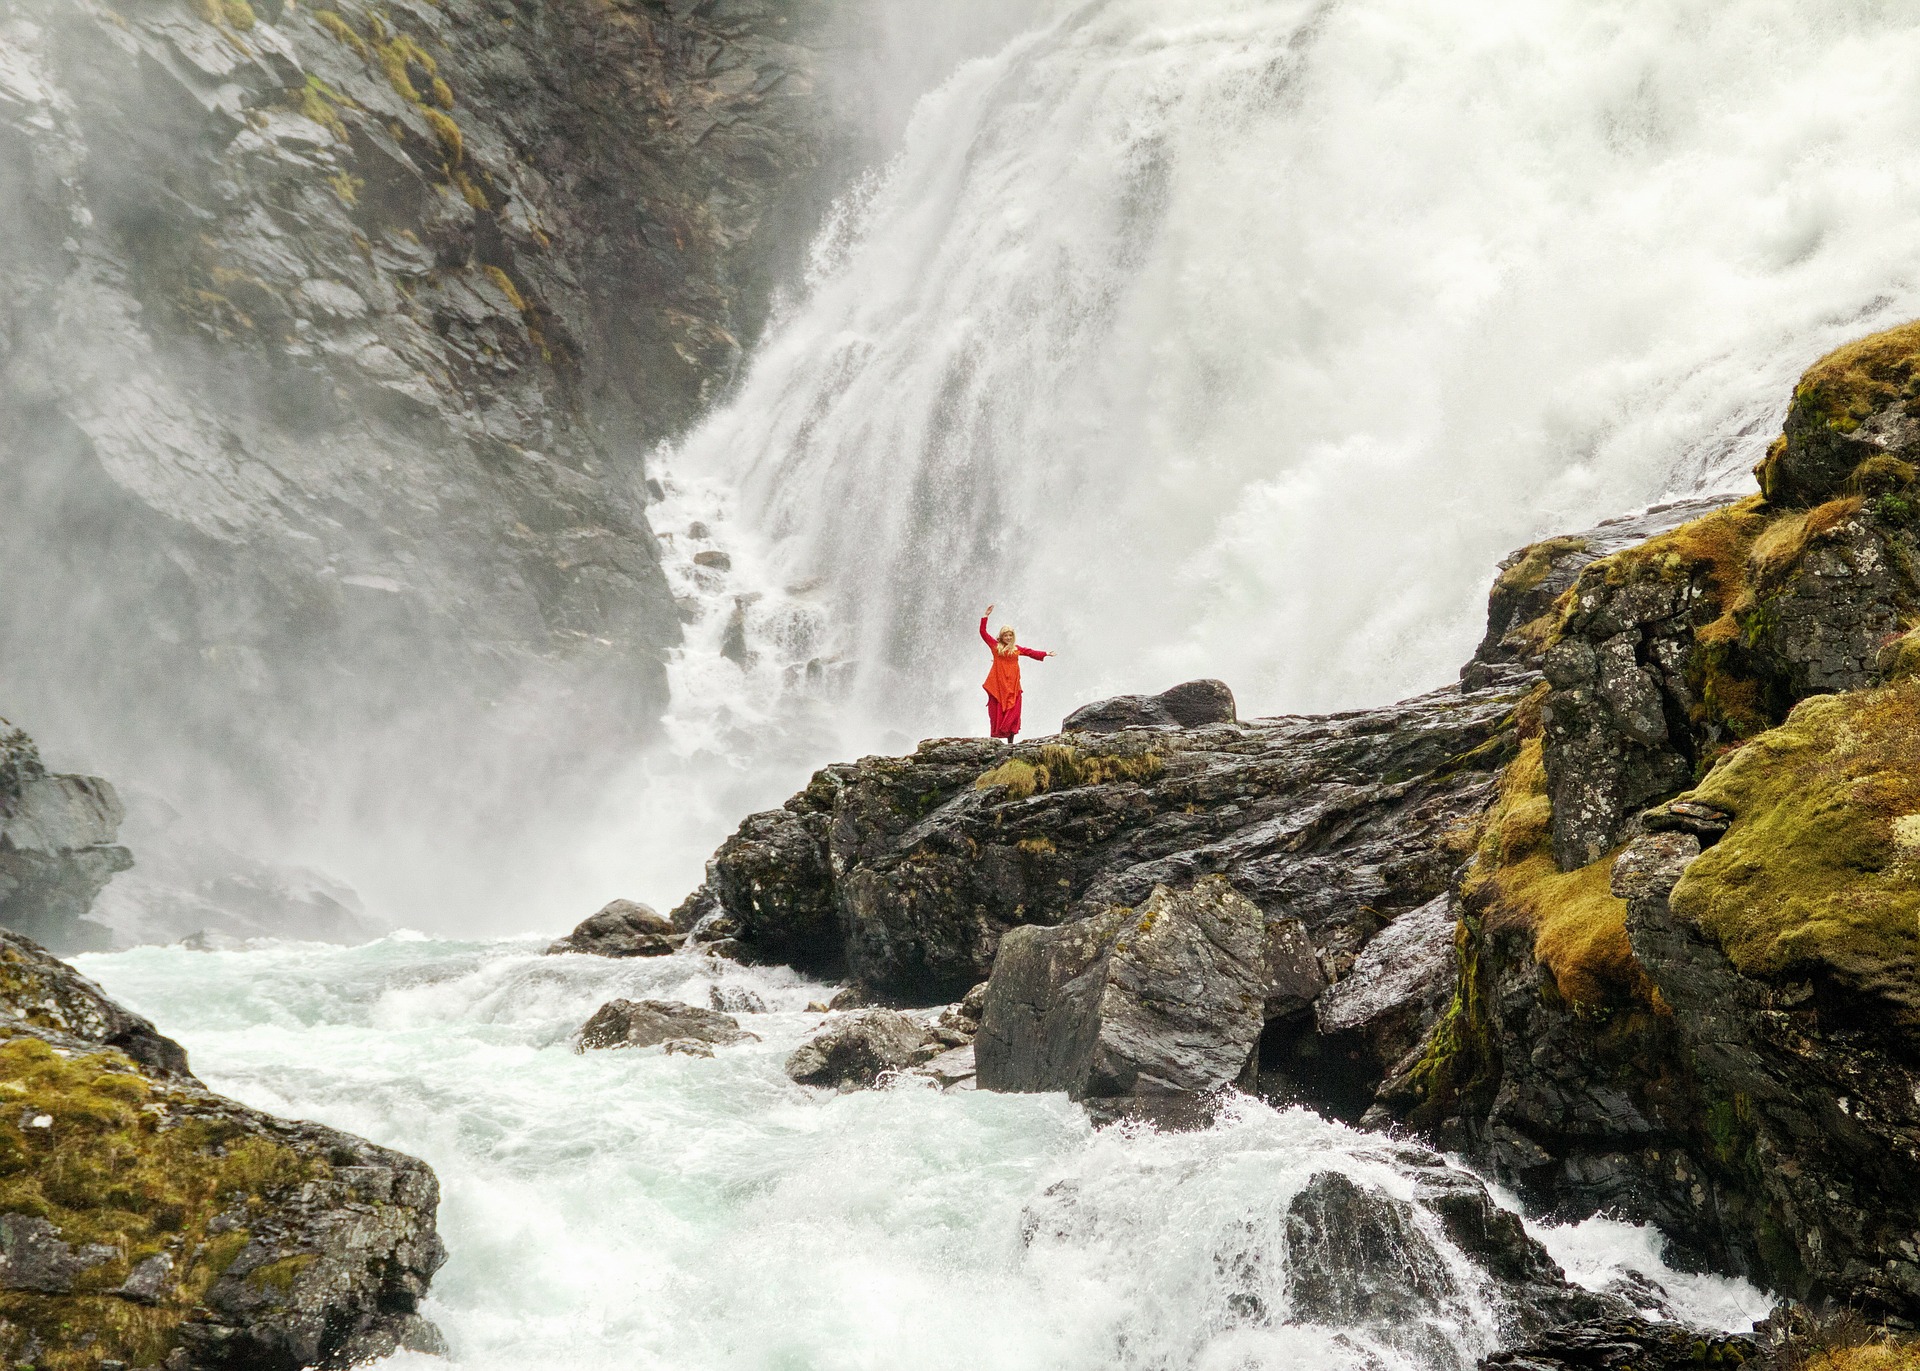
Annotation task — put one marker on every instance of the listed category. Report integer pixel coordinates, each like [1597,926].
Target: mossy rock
[1818,876]
[1856,404]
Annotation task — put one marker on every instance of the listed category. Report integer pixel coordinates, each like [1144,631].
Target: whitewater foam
[635,1209]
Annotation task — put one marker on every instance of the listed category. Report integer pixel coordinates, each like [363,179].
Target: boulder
[1166,1000]
[1192,704]
[58,848]
[648,1023]
[623,929]
[170,1225]
[1398,986]
[1625,1344]
[1858,404]
[855,1051]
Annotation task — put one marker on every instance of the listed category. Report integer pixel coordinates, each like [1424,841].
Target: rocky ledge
[147,1222]
[1628,916]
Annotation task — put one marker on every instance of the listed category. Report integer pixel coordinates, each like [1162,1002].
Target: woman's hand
[989,613]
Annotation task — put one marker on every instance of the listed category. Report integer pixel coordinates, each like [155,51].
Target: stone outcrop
[904,872]
[1149,1006]
[146,1220]
[1700,1013]
[329,339]
[1193,704]
[653,1023]
[57,847]
[623,928]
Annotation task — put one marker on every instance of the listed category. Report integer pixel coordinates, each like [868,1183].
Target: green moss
[1058,766]
[448,133]
[129,1165]
[1819,874]
[1579,926]
[279,1276]
[1849,384]
[342,31]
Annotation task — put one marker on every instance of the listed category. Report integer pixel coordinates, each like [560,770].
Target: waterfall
[1242,337]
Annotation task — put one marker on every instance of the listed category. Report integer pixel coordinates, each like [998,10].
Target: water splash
[623,1209]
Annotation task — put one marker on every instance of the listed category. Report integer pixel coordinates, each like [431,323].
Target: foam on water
[632,1209]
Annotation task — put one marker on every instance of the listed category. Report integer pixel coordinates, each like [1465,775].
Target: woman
[1003,682]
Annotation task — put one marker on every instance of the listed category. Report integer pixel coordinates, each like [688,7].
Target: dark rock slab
[648,1023]
[1625,1344]
[1192,704]
[1398,985]
[1165,1000]
[855,1051]
[623,929]
[39,990]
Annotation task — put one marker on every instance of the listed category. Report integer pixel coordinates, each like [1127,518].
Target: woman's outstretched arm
[985,636]
[1027,651]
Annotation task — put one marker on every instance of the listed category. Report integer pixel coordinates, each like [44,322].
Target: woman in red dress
[1003,682]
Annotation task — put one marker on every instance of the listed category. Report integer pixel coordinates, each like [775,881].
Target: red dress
[1003,685]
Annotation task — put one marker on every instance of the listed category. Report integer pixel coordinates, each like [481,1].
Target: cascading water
[1242,337]
[641,1210]
[1239,338]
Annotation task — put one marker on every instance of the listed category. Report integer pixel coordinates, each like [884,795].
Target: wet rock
[39,990]
[623,928]
[1624,1344]
[1852,406]
[1193,704]
[1398,985]
[295,1243]
[735,999]
[648,1023]
[58,847]
[954,1069]
[905,872]
[856,1051]
[1165,1000]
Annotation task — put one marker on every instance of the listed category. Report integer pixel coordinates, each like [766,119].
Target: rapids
[637,1210]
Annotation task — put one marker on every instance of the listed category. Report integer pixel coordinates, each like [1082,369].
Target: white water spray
[1242,337]
[622,1210]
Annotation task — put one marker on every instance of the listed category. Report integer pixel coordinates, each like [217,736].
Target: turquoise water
[640,1210]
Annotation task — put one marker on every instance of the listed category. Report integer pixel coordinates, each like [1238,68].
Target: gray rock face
[649,1023]
[623,929]
[57,848]
[855,1051]
[1165,1000]
[329,335]
[330,1241]
[40,990]
[1193,704]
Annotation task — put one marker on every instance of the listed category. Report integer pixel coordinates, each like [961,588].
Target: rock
[622,929]
[735,999]
[905,872]
[1165,1000]
[1398,986]
[954,1069]
[648,1023]
[1193,704]
[58,847]
[855,1052]
[1853,406]
[38,990]
[239,1238]
[1624,1344]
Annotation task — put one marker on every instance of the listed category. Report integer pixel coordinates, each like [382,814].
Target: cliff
[1628,916]
[330,340]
